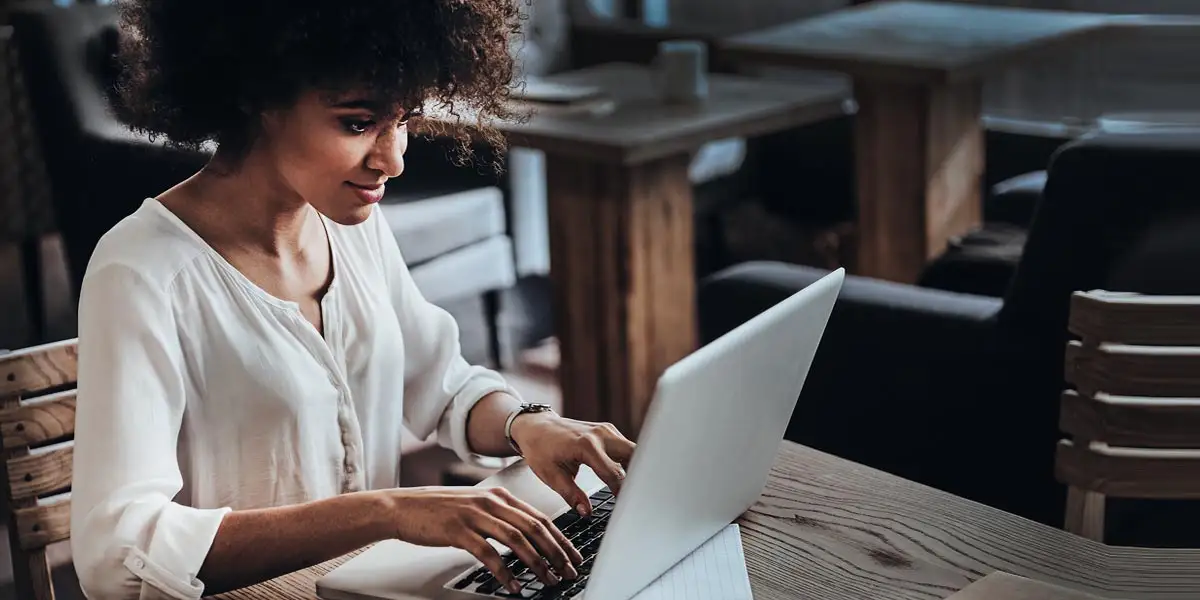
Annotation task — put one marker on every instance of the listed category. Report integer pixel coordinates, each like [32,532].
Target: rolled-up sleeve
[129,539]
[440,386]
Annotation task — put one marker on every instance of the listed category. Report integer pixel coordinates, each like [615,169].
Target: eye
[357,126]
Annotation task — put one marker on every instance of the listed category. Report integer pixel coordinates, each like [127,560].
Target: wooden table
[918,72]
[1006,586]
[825,528]
[620,218]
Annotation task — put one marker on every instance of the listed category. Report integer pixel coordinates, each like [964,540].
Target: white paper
[540,90]
[715,571]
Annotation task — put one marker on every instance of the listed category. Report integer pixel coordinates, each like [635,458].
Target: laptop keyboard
[585,534]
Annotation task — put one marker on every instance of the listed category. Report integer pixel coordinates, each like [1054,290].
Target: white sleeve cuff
[181,542]
[452,432]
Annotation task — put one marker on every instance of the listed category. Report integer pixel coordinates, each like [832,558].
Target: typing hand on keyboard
[466,517]
[554,447]
[585,533]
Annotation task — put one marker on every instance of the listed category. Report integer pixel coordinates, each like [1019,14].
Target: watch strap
[523,409]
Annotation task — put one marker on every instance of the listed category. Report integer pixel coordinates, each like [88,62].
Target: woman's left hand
[554,447]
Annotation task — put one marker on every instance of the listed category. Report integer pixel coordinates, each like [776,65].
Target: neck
[255,209]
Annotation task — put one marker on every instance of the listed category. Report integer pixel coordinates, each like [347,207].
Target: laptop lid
[709,440]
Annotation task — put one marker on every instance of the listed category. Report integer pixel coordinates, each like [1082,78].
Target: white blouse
[199,393]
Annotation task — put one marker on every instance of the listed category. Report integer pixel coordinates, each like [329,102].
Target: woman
[251,342]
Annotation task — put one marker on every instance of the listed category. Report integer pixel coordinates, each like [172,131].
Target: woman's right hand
[465,517]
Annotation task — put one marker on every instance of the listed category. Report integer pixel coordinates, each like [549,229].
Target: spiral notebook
[714,571]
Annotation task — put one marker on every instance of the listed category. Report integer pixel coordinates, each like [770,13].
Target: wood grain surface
[919,159]
[32,522]
[1006,586]
[41,525]
[48,418]
[828,529]
[622,266]
[38,368]
[41,473]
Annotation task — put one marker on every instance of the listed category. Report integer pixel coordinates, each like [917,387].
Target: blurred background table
[918,72]
[621,221]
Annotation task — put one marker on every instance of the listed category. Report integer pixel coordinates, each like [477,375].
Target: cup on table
[681,71]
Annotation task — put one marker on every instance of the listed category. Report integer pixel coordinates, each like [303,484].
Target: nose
[387,155]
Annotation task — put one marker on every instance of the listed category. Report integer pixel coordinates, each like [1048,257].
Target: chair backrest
[1133,415]
[37,426]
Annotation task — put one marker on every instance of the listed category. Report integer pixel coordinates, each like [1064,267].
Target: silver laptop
[706,448]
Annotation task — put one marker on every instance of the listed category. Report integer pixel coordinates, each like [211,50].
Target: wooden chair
[1134,413]
[37,424]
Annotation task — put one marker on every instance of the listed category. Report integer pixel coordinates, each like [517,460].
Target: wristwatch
[524,408]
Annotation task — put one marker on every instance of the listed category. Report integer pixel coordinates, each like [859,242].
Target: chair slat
[38,368]
[1136,319]
[40,526]
[1070,358]
[1130,473]
[1125,370]
[1134,417]
[1132,421]
[40,473]
[47,419]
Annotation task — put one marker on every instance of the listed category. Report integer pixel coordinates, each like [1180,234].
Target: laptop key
[524,593]
[489,587]
[565,519]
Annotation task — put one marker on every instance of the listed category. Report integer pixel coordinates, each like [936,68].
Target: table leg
[624,282]
[920,155]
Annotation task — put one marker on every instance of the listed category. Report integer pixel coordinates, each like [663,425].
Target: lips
[369,194]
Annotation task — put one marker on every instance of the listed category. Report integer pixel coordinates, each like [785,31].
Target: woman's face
[336,153]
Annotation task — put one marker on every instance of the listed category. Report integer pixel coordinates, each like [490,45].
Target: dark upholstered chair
[984,261]
[961,391]
[99,170]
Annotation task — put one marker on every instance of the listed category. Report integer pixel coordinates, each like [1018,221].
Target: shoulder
[146,245]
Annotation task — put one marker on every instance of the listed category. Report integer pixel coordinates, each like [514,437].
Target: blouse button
[139,563]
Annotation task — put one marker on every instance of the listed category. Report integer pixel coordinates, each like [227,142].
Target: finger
[487,555]
[572,555]
[607,469]
[619,447]
[498,528]
[562,481]
[534,526]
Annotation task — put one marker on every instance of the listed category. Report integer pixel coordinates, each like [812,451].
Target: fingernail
[620,473]
[514,587]
[582,508]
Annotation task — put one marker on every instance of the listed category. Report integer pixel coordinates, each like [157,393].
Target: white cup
[681,71]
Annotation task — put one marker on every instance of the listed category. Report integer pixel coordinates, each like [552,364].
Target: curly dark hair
[196,71]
